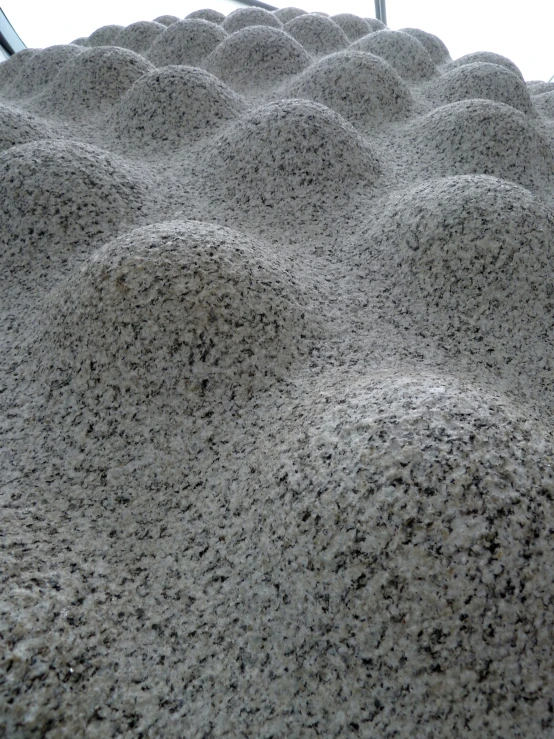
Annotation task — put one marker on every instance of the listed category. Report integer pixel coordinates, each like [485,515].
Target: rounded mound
[288,156]
[186,42]
[174,105]
[213,16]
[257,56]
[488,57]
[139,36]
[362,87]
[485,137]
[18,127]
[62,194]
[105,36]
[482,80]
[245,17]
[463,255]
[12,67]
[166,20]
[416,507]
[544,103]
[287,14]
[175,311]
[434,46]
[353,26]
[94,80]
[375,24]
[404,52]
[318,34]
[42,68]
[537,87]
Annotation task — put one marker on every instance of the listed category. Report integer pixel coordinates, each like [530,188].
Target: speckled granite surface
[277,353]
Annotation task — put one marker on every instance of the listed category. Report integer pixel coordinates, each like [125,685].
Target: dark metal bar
[9,40]
[381,11]
[383,17]
[257,4]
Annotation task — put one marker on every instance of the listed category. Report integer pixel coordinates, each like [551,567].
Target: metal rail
[381,11]
[257,4]
[9,40]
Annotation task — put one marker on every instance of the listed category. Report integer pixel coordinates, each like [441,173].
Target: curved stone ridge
[482,80]
[245,17]
[213,16]
[92,81]
[488,57]
[489,240]
[276,350]
[402,50]
[172,105]
[181,309]
[317,34]
[317,152]
[287,14]
[57,195]
[434,46]
[353,26]
[186,42]
[468,137]
[42,68]
[362,87]
[256,55]
[19,127]
[105,36]
[166,20]
[139,36]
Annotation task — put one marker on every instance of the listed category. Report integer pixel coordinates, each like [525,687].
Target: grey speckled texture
[276,385]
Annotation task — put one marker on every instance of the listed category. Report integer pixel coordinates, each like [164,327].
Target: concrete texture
[276,385]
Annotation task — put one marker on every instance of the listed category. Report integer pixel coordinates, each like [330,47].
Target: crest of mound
[42,68]
[434,46]
[353,26]
[362,87]
[287,14]
[58,195]
[166,20]
[544,103]
[287,156]
[176,309]
[375,24]
[425,497]
[186,42]
[12,67]
[537,87]
[213,16]
[485,56]
[485,137]
[105,36]
[93,81]
[463,255]
[245,17]
[139,36]
[256,56]
[482,80]
[19,127]
[404,52]
[174,105]
[318,34]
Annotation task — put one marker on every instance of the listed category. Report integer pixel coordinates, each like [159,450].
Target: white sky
[520,31]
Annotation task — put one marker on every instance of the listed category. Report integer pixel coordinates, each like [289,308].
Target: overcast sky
[522,31]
